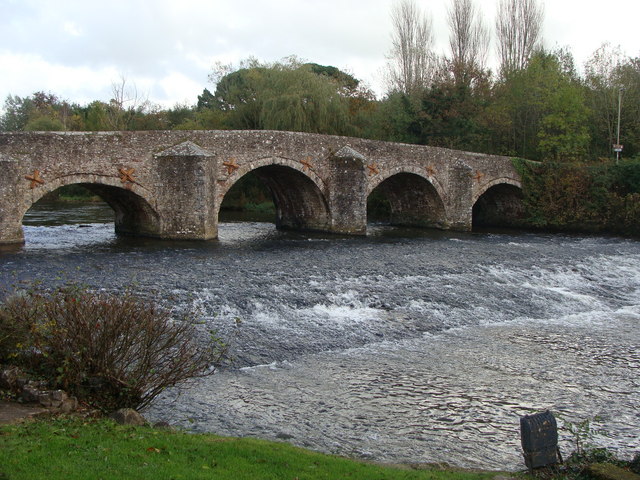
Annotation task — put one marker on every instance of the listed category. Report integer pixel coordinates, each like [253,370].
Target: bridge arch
[299,195]
[496,181]
[413,198]
[498,203]
[134,214]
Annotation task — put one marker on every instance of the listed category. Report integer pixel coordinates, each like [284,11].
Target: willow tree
[411,61]
[300,100]
[286,95]
[519,33]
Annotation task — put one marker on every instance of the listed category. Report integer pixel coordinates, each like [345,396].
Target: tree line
[537,105]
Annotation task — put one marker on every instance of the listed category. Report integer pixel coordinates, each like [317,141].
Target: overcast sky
[78,48]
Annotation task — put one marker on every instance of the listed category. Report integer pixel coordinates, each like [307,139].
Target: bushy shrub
[110,350]
[602,197]
[634,465]
[15,327]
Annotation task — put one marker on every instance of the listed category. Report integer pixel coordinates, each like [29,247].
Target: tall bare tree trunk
[468,40]
[519,33]
[411,61]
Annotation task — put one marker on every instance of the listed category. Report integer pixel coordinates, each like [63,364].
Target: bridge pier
[185,185]
[348,192]
[459,197]
[10,214]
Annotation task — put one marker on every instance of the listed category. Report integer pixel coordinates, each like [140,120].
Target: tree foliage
[543,110]
[287,95]
[540,111]
[582,197]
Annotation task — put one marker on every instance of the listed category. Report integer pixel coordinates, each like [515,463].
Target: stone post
[348,192]
[186,193]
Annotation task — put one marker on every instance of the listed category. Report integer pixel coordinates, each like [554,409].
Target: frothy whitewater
[399,347]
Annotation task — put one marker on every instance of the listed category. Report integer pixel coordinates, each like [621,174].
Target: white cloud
[77,48]
[78,84]
[178,88]
[72,29]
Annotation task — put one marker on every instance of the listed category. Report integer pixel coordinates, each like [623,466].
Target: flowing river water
[401,346]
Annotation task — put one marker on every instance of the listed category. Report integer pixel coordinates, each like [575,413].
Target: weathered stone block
[128,416]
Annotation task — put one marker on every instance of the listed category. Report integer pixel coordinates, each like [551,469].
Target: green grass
[99,449]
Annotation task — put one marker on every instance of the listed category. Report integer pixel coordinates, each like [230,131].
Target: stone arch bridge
[170,184]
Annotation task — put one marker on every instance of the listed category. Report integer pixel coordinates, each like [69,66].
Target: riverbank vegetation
[69,449]
[110,351]
[545,111]
[587,198]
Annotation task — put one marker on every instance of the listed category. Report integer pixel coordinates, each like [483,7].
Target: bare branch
[125,102]
[411,61]
[468,39]
[519,33]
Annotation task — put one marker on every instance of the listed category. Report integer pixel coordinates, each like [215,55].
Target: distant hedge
[579,197]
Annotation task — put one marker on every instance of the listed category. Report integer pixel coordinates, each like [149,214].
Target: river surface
[402,346]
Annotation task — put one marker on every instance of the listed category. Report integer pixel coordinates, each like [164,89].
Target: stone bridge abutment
[171,184]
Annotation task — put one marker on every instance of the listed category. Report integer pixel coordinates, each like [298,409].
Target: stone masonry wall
[178,179]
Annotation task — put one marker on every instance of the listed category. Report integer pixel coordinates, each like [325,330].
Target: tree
[519,33]
[124,105]
[206,100]
[303,101]
[49,113]
[468,40]
[285,95]
[629,77]
[40,111]
[543,110]
[397,119]
[44,124]
[237,95]
[349,86]
[611,76]
[411,62]
[95,116]
[17,112]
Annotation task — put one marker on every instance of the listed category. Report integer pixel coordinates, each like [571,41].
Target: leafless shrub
[111,350]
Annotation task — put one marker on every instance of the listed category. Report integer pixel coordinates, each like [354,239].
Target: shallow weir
[403,346]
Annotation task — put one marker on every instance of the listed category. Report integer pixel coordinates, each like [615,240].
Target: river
[401,346]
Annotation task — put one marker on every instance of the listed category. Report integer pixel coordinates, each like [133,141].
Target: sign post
[617,148]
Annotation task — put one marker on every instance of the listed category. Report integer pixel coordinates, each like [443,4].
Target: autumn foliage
[109,350]
[601,197]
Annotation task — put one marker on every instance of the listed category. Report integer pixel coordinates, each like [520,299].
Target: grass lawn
[71,449]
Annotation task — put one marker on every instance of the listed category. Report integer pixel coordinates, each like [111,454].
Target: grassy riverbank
[100,449]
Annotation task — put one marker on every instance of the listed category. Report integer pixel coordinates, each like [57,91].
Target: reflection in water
[401,346]
[48,213]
